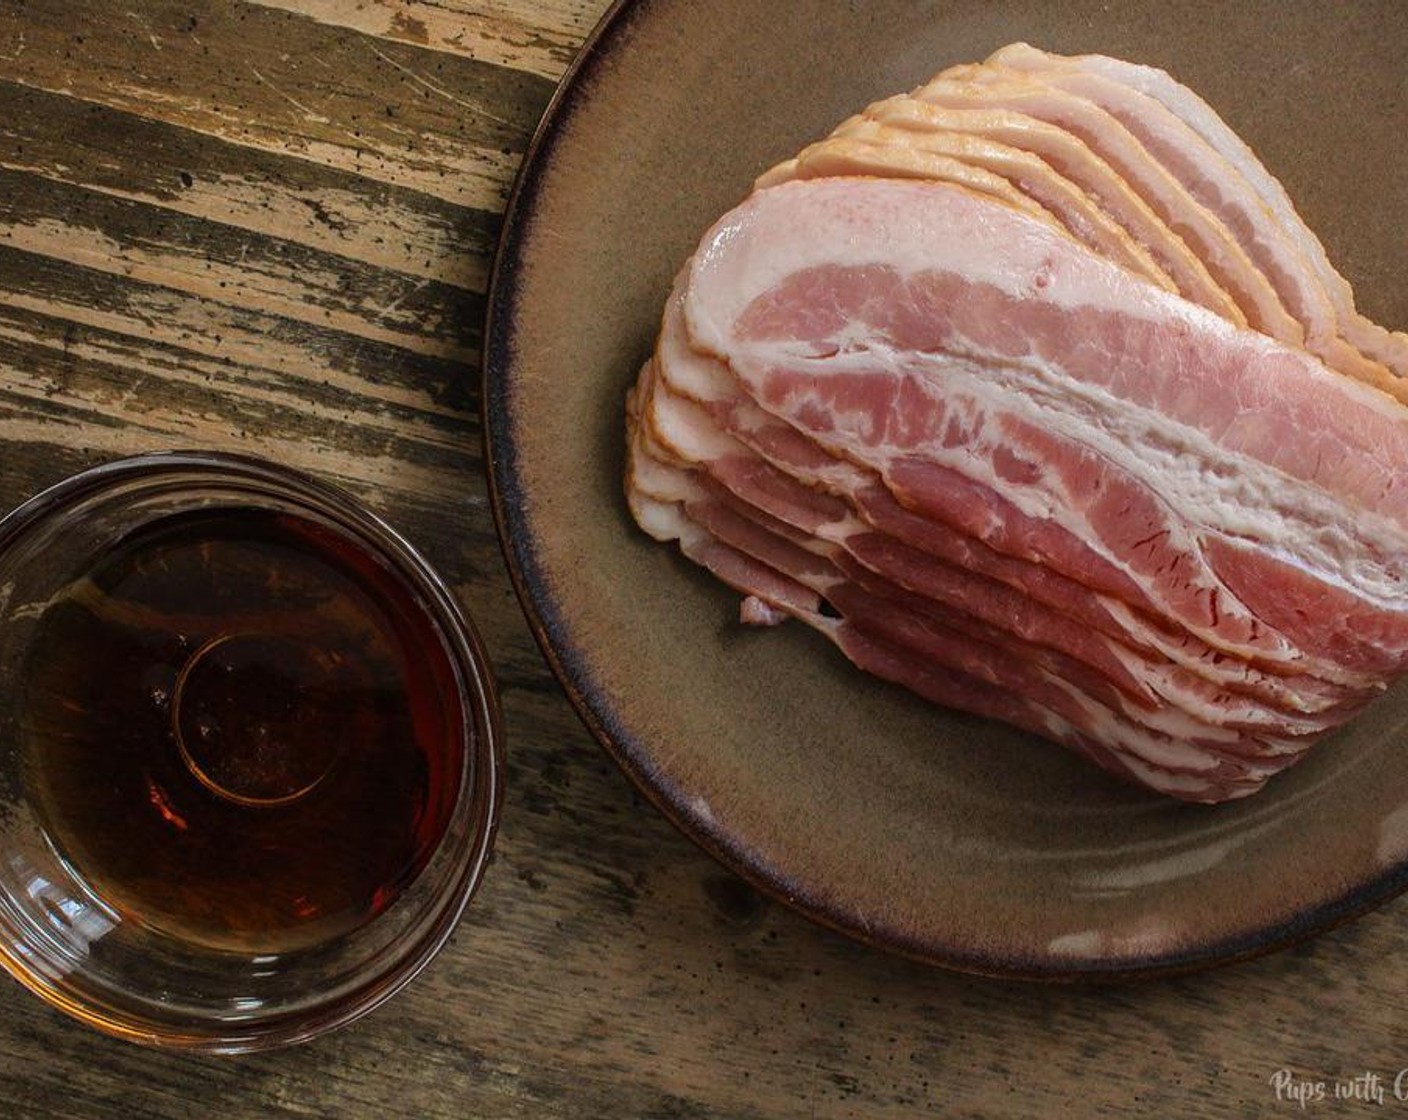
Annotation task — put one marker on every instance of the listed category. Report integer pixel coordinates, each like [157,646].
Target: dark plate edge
[572,667]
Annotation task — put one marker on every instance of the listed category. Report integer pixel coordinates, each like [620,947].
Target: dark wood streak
[227,264]
[277,78]
[55,137]
[608,969]
[261,343]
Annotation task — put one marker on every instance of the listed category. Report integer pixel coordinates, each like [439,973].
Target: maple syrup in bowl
[249,753]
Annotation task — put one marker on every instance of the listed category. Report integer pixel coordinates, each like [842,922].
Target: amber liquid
[242,731]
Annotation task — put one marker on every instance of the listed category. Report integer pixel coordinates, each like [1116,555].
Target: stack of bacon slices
[1031,391]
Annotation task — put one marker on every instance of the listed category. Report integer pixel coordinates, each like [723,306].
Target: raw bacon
[929,393]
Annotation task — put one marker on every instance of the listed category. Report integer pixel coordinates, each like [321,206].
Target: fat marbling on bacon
[1031,392]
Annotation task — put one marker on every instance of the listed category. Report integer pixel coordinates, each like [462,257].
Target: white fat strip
[1171,753]
[664,521]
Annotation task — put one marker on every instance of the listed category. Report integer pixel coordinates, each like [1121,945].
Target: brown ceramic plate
[947,838]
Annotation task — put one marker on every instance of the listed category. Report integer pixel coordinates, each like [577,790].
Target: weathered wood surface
[267,226]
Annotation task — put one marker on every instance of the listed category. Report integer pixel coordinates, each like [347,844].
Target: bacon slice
[869,152]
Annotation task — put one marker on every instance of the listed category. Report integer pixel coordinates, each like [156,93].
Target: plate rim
[571,666]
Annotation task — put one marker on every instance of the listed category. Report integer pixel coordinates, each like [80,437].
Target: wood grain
[267,226]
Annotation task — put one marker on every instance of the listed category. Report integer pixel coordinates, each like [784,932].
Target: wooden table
[267,226]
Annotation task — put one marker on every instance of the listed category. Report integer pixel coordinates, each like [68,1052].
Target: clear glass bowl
[68,929]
